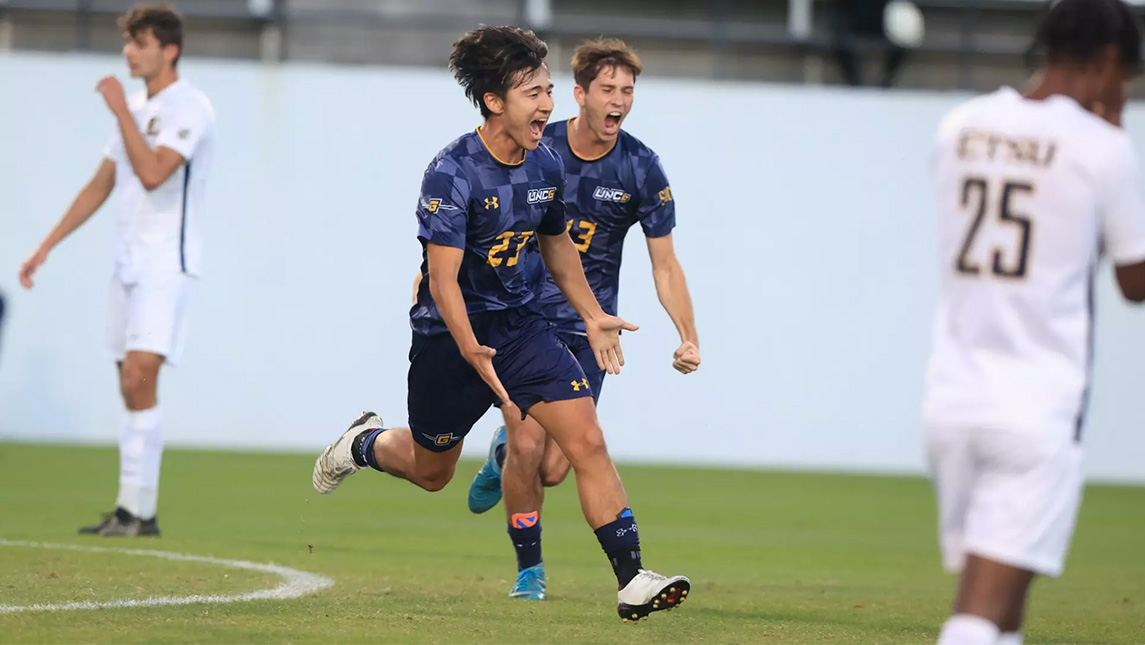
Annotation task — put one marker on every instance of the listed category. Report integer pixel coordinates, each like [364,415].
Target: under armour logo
[577,385]
[491,202]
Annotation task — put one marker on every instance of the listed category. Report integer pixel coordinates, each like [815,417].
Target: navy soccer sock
[362,450]
[620,540]
[525,531]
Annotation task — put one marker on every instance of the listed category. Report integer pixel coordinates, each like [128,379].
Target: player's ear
[171,53]
[495,103]
[578,94]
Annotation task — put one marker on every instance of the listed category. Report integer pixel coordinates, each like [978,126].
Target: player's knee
[586,447]
[136,386]
[436,480]
[526,447]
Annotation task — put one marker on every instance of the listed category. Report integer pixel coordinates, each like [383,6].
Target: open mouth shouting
[537,128]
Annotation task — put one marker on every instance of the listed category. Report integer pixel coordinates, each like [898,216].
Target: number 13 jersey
[1030,194]
[605,197]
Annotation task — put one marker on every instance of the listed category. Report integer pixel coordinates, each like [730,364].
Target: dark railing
[719,31]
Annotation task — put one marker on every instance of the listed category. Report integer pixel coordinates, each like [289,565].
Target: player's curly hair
[495,59]
[161,18]
[1075,31]
[593,56]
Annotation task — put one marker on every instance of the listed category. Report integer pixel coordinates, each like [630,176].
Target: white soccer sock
[140,451]
[1010,638]
[966,629]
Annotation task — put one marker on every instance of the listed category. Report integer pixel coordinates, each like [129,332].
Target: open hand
[604,338]
[481,359]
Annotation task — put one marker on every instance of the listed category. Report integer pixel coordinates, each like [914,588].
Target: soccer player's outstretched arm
[444,265]
[657,213]
[443,219]
[175,144]
[1123,222]
[672,290]
[86,203]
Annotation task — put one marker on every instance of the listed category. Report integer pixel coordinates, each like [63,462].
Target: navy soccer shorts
[577,343]
[447,396]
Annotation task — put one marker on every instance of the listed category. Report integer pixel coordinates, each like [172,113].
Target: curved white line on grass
[295,583]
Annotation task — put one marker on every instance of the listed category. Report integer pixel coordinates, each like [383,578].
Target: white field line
[295,583]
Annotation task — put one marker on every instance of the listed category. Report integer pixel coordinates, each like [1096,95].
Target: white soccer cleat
[649,592]
[336,463]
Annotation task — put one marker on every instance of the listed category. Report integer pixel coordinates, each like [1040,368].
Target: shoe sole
[526,597]
[129,535]
[669,597]
[317,480]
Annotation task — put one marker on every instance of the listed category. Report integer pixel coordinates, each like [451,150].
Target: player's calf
[555,466]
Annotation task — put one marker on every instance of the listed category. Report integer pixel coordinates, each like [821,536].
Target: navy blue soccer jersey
[493,210]
[604,198]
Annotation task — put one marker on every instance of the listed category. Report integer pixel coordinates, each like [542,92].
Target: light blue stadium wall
[805,227]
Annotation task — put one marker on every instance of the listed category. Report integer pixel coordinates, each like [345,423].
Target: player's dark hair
[161,18]
[592,57]
[1075,31]
[495,59]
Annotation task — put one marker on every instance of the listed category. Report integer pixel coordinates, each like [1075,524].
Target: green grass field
[774,557]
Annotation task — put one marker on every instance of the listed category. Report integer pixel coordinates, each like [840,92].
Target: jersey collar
[568,138]
[495,157]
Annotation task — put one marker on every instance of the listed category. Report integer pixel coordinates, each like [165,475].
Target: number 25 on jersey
[993,206]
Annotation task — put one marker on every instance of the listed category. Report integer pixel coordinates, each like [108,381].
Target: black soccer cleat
[122,523]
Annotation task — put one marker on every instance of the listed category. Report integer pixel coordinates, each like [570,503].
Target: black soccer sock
[525,531]
[620,540]
[499,455]
[362,450]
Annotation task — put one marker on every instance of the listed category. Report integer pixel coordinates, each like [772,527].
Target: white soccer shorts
[149,316]
[1006,495]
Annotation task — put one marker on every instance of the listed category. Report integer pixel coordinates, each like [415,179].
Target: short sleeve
[1122,212]
[183,130]
[114,148]
[553,222]
[656,209]
[443,206]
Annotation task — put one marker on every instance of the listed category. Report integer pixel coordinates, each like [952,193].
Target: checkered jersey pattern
[605,198]
[493,210]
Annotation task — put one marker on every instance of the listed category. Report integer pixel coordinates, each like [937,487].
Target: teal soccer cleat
[485,491]
[530,583]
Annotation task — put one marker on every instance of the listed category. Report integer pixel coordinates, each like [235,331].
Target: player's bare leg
[554,466]
[485,491]
[572,424]
[140,450]
[991,600]
[391,450]
[398,454]
[523,494]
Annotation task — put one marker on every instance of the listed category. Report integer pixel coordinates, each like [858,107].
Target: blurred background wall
[805,228]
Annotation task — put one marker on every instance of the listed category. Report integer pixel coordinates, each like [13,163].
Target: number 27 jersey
[1030,196]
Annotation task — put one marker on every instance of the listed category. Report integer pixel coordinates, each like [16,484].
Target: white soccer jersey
[158,231]
[1030,196]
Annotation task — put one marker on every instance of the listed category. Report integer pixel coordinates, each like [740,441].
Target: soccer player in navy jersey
[491,219]
[613,182]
